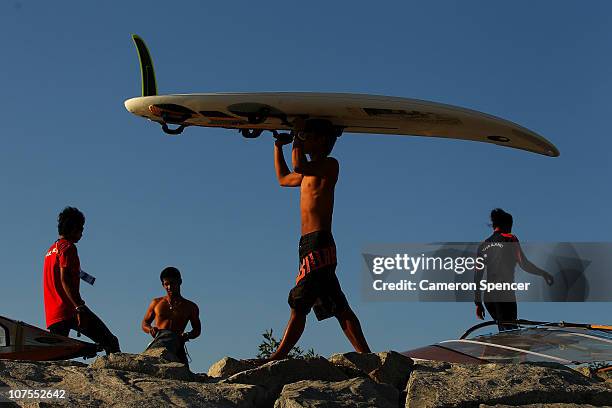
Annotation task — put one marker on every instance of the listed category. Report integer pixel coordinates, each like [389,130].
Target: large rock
[274,375]
[142,381]
[162,353]
[87,387]
[388,367]
[458,385]
[146,364]
[227,366]
[356,392]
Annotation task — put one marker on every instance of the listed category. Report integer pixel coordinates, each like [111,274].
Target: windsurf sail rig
[571,344]
[21,341]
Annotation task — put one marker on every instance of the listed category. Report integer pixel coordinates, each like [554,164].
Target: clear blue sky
[208,203]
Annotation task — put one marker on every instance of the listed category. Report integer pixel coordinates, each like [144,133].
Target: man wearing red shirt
[64,307]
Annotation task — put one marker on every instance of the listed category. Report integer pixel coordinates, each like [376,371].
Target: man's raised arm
[327,167]
[285,177]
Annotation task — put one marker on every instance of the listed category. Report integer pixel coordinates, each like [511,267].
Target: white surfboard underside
[356,113]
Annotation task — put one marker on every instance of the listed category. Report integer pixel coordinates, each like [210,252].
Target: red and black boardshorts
[316,286]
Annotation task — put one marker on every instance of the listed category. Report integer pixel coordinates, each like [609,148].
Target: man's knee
[112,345]
[60,328]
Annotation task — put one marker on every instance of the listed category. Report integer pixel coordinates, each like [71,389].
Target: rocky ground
[344,380]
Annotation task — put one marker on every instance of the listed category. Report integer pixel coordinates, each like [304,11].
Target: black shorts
[172,342]
[503,312]
[317,286]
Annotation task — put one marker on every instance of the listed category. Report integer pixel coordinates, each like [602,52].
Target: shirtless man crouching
[171,314]
[316,286]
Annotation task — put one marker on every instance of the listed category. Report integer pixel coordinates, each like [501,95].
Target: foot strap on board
[176,131]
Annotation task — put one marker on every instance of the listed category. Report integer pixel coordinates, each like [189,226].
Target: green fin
[149,86]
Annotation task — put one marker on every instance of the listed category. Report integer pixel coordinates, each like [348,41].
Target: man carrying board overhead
[316,285]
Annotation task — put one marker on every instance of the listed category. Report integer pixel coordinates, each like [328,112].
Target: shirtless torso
[317,180]
[317,197]
[172,314]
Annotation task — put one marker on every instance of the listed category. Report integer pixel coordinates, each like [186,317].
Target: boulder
[146,364]
[227,366]
[388,367]
[142,381]
[86,387]
[353,393]
[161,353]
[463,385]
[274,375]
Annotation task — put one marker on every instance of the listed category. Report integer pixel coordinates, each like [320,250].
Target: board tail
[149,85]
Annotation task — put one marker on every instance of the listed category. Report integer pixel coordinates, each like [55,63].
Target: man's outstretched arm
[531,268]
[285,177]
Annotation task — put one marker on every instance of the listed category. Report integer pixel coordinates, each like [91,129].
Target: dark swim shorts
[172,342]
[317,286]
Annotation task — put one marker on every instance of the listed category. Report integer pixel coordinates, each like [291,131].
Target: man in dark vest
[501,253]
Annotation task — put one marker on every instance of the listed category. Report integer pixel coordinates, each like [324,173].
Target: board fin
[149,85]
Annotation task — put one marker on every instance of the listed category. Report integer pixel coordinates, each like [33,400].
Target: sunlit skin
[172,312]
[317,179]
